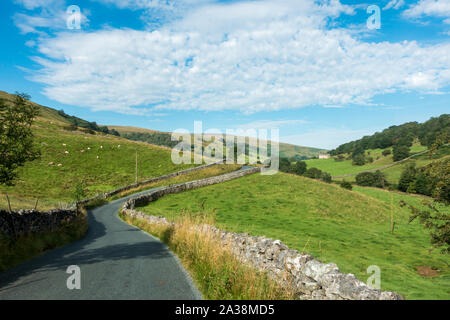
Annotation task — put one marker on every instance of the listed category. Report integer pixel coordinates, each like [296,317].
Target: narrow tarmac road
[116,260]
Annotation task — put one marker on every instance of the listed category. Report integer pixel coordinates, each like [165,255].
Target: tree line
[300,168]
[400,138]
[91,127]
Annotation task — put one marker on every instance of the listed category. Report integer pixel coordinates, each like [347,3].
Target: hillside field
[97,162]
[286,150]
[339,168]
[349,228]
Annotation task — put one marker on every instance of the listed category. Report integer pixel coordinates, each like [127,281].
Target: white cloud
[251,56]
[394,4]
[437,8]
[326,138]
[33,4]
[45,15]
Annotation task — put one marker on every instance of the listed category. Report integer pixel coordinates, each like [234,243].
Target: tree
[16,136]
[400,152]
[325,176]
[407,177]
[299,168]
[435,220]
[114,132]
[371,179]
[285,165]
[313,173]
[359,160]
[435,180]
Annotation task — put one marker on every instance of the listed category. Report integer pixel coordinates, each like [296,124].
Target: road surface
[116,261]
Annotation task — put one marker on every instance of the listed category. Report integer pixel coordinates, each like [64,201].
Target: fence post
[9,204]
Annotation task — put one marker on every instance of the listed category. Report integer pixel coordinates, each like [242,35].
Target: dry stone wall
[154,195]
[148,181]
[309,277]
[31,221]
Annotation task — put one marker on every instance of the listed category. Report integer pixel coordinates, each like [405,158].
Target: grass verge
[16,251]
[216,271]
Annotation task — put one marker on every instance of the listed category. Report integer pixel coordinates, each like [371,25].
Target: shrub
[326,177]
[346,185]
[285,165]
[299,168]
[359,160]
[71,127]
[371,179]
[386,152]
[313,173]
[78,192]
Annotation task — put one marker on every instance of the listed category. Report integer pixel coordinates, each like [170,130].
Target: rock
[315,269]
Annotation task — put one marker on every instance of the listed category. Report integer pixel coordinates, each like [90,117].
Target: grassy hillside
[130,129]
[96,161]
[338,168]
[291,150]
[286,150]
[350,228]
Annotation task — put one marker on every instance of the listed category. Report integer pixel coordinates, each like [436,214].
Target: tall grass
[216,271]
[15,251]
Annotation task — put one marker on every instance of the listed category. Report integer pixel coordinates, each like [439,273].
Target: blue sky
[313,69]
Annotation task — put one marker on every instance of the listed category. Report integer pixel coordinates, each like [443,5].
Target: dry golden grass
[218,274]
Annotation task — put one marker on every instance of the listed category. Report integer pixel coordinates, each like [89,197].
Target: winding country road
[117,261]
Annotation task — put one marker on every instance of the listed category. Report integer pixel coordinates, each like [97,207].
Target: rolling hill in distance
[286,150]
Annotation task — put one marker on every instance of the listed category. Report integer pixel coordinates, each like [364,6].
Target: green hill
[164,138]
[404,134]
[350,228]
[95,161]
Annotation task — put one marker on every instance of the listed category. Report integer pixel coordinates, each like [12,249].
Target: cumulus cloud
[43,15]
[437,8]
[248,56]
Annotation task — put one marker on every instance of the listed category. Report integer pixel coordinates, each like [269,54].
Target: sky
[322,72]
